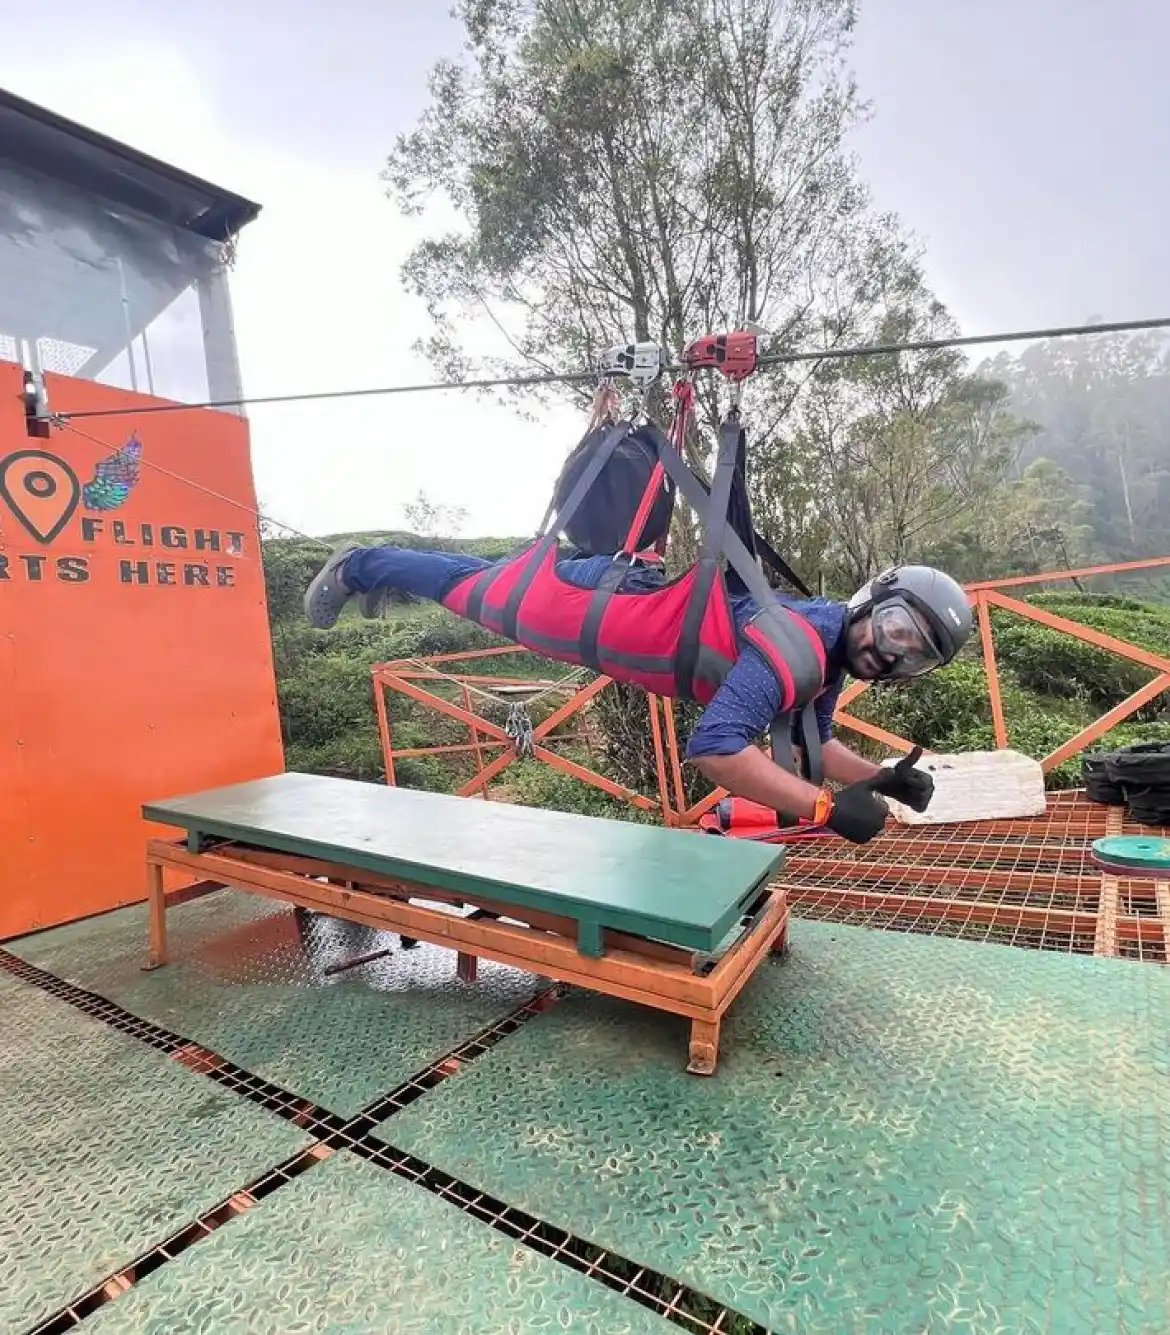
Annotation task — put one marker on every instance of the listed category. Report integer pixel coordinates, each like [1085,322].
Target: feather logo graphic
[113,478]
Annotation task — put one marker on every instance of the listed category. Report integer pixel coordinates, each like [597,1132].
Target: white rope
[518,724]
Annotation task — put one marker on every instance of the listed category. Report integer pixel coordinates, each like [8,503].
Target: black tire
[1149,805]
[1099,787]
[1143,765]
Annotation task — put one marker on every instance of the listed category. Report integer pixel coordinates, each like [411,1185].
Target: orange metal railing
[405,675]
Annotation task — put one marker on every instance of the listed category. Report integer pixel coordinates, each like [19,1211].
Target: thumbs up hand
[904,783]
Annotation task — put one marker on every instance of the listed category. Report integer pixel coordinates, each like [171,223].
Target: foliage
[659,168]
[644,168]
[433,520]
[349,755]
[1102,406]
[1049,662]
[532,783]
[1040,520]
[893,454]
[1146,624]
[623,718]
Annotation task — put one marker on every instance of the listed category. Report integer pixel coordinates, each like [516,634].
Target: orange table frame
[649,973]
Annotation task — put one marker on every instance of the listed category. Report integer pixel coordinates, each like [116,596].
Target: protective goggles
[902,634]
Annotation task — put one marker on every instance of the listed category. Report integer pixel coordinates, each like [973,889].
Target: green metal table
[666,918]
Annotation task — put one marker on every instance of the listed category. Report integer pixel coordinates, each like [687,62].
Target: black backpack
[602,521]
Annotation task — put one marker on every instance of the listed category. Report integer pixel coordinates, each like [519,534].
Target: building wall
[135,658]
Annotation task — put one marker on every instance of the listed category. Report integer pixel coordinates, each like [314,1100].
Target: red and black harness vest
[678,640]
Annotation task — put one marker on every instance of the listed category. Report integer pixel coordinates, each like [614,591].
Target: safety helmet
[921,618]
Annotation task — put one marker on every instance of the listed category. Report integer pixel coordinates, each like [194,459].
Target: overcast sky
[1024,141]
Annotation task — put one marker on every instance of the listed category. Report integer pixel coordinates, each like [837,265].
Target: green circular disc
[1132,850]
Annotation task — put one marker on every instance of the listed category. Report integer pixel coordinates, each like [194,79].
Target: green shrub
[1049,662]
[951,701]
[1144,624]
[329,697]
[622,716]
[352,755]
[532,783]
[437,774]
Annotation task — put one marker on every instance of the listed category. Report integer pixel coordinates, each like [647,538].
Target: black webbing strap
[741,562]
[479,589]
[713,521]
[602,454]
[550,509]
[609,584]
[768,554]
[809,739]
[778,565]
[739,507]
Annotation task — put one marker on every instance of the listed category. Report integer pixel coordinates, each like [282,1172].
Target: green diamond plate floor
[905,1135]
[350,1249]
[243,983]
[106,1149]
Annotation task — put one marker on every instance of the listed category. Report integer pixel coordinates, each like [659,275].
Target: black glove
[858,814]
[904,783]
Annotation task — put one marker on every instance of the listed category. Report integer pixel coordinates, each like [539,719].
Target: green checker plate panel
[904,1135]
[350,1249]
[249,983]
[668,884]
[106,1149]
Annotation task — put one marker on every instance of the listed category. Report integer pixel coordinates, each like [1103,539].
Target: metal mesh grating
[1029,883]
[56,354]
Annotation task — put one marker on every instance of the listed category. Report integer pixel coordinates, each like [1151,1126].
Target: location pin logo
[41,490]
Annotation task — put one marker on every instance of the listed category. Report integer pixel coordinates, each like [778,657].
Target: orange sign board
[135,657]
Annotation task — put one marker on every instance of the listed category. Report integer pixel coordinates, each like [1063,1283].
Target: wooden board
[668,885]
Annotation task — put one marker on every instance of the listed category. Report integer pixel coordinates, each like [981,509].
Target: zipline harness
[678,639]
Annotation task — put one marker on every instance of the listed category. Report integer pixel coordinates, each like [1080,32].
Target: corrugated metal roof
[70,152]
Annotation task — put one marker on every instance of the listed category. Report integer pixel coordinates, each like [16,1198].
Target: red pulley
[733,354]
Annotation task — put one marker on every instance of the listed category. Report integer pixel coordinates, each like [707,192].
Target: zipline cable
[250,510]
[963,341]
[766,361]
[67,419]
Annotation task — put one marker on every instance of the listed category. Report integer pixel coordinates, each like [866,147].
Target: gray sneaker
[328,594]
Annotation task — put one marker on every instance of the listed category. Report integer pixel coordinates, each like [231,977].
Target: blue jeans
[432,575]
[425,574]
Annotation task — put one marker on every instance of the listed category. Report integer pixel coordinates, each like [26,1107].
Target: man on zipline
[907,621]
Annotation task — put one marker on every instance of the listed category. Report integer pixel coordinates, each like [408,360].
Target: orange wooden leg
[704,1051]
[158,916]
[467,967]
[780,945]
